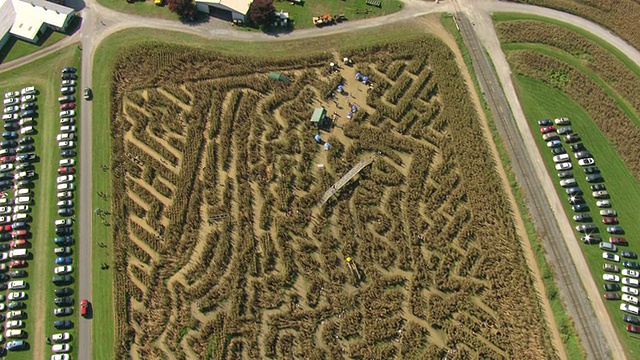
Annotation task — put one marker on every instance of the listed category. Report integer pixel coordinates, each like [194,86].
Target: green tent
[318,116]
[277,76]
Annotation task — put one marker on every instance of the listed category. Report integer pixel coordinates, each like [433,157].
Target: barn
[29,19]
[228,10]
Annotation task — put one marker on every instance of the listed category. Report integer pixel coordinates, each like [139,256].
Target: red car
[547,129]
[17,263]
[84,307]
[19,233]
[612,296]
[609,220]
[618,241]
[67,106]
[633,329]
[66,170]
[5,228]
[7,159]
[18,243]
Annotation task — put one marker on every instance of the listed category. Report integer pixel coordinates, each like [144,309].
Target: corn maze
[221,251]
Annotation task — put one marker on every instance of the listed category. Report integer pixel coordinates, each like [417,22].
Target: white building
[225,9]
[28,19]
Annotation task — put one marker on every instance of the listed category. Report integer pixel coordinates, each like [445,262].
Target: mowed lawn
[44,74]
[541,101]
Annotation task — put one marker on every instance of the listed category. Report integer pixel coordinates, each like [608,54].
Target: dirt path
[536,275]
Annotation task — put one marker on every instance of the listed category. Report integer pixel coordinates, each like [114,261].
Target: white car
[2,306]
[21,209]
[67,162]
[603,203]
[611,277]
[66,187]
[11,109]
[67,129]
[68,83]
[64,203]
[67,121]
[17,285]
[5,210]
[65,179]
[13,324]
[629,308]
[28,98]
[61,337]
[66,144]
[630,299]
[15,315]
[63,270]
[11,101]
[18,295]
[586,161]
[14,333]
[630,273]
[67,113]
[63,222]
[64,136]
[610,256]
[631,282]
[564,166]
[6,167]
[630,290]
[10,94]
[554,143]
[561,158]
[64,195]
[29,90]
[60,357]
[27,130]
[60,348]
[567,182]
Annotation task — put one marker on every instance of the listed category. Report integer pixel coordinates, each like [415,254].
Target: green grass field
[541,101]
[144,8]
[566,329]
[44,74]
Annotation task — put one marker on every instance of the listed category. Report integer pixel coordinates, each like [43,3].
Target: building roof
[318,115]
[7,16]
[24,18]
[239,6]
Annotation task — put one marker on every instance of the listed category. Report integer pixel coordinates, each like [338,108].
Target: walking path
[345,179]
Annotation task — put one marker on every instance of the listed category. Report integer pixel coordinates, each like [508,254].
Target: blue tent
[340,88]
[365,79]
[354,108]
[358,75]
[317,137]
[326,146]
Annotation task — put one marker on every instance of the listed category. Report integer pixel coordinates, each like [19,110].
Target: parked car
[611,287]
[610,257]
[598,187]
[558,151]
[554,143]
[594,178]
[586,162]
[611,277]
[577,199]
[67,90]
[572,138]
[615,230]
[68,113]
[63,250]
[631,282]
[63,292]
[629,255]
[600,194]
[630,273]
[567,182]
[564,130]
[61,338]
[63,301]
[609,220]
[545,122]
[68,69]
[16,345]
[547,129]
[565,174]
[630,319]
[608,212]
[564,166]
[65,311]
[603,203]
[582,217]
[573,191]
[63,240]
[69,76]
[63,324]
[84,307]
[66,98]
[618,241]
[88,94]
[610,268]
[612,296]
[61,279]
[67,153]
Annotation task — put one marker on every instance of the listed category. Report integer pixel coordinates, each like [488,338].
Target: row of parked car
[630,273]
[65,186]
[16,173]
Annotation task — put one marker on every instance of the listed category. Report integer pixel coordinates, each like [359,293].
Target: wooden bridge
[345,179]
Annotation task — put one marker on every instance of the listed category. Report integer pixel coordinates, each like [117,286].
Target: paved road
[99,22]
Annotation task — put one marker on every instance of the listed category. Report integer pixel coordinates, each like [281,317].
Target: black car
[8,144]
[27,113]
[25,157]
[18,274]
[629,254]
[594,178]
[6,237]
[545,122]
[62,279]
[611,287]
[88,94]
[11,126]
[598,187]
[67,153]
[25,183]
[575,199]
[9,135]
[4,277]
[631,265]
[64,231]
[565,174]
[578,147]
[68,69]
[26,148]
[5,184]
[573,191]
[63,292]
[580,207]
[558,151]
[592,170]
[69,76]
[5,247]
[65,212]
[63,324]
[15,305]
[63,240]
[63,301]
[6,176]
[26,140]
[630,319]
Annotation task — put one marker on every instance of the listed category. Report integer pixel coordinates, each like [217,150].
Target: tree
[185,8]
[261,12]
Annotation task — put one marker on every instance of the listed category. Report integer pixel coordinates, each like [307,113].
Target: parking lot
[32,300]
[597,225]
